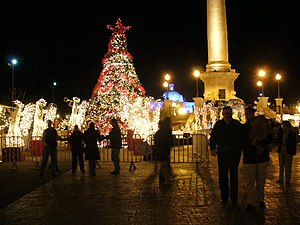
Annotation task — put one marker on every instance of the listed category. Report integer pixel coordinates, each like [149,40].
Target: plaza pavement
[136,198]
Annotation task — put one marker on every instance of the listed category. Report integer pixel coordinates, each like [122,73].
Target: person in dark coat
[256,147]
[225,142]
[115,144]
[49,138]
[76,142]
[287,148]
[162,145]
[91,137]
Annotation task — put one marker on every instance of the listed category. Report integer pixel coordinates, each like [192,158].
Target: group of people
[254,140]
[229,140]
[82,143]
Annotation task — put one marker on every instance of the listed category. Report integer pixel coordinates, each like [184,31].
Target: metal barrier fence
[187,148]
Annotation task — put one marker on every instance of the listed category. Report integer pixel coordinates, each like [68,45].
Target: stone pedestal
[219,85]
[198,101]
[168,107]
[262,103]
[279,105]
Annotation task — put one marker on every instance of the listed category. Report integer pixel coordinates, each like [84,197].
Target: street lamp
[260,84]
[278,77]
[12,65]
[197,75]
[262,73]
[166,85]
[54,84]
[167,77]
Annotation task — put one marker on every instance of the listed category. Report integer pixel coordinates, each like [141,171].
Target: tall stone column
[219,77]
[217,40]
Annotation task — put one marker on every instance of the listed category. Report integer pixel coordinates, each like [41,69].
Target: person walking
[257,140]
[49,139]
[91,137]
[76,142]
[287,148]
[115,144]
[162,145]
[225,143]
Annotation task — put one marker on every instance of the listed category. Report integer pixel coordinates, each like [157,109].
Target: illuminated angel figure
[50,112]
[14,136]
[38,123]
[82,108]
[73,118]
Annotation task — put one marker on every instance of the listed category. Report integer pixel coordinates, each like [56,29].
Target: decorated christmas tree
[118,82]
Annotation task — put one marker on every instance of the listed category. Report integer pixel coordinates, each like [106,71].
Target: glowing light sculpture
[138,116]
[117,81]
[38,122]
[14,136]
[205,116]
[27,118]
[50,112]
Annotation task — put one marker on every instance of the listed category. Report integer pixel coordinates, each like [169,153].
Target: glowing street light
[12,65]
[197,75]
[262,74]
[278,77]
[167,77]
[54,84]
[166,85]
[260,84]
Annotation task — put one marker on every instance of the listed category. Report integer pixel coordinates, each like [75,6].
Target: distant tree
[19,94]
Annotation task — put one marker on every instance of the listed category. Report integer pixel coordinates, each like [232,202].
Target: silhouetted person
[287,148]
[256,148]
[162,146]
[115,144]
[91,137]
[50,148]
[225,142]
[76,142]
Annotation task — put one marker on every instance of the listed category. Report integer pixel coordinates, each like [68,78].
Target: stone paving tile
[136,198]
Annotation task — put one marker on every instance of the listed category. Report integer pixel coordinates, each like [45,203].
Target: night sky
[66,41]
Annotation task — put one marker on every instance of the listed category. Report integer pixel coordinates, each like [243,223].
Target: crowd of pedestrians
[254,140]
[82,143]
[230,140]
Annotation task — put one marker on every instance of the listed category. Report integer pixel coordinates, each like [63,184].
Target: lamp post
[278,99]
[12,65]
[278,77]
[166,84]
[167,77]
[54,84]
[262,74]
[196,75]
[259,84]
